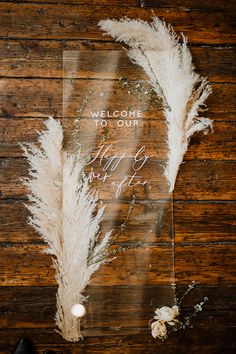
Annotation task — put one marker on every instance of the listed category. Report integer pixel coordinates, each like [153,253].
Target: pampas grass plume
[167,61]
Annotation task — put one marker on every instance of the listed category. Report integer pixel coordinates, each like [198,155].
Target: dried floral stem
[125,222]
[121,249]
[160,90]
[76,131]
[187,291]
[176,300]
[113,239]
[140,90]
[158,220]
[167,318]
[197,308]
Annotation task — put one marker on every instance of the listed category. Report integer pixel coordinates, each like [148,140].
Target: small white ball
[78,310]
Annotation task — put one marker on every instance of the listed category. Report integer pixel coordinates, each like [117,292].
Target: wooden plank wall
[33,35]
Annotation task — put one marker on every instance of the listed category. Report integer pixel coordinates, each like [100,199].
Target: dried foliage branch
[168,319]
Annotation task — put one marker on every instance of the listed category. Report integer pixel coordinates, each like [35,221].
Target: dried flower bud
[166,313]
[159,330]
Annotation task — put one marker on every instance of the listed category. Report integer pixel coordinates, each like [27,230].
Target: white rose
[159,329]
[166,314]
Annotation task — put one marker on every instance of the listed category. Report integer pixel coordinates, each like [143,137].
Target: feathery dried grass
[62,210]
[168,63]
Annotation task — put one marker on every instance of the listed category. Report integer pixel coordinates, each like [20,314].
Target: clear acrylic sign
[118,125]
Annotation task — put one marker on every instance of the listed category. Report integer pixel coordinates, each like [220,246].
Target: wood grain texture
[46,99]
[194,222]
[32,58]
[183,4]
[45,299]
[191,4]
[132,343]
[217,145]
[197,180]
[151,265]
[91,3]
[33,35]
[80,22]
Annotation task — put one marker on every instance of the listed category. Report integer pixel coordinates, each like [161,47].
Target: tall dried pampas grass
[62,210]
[168,62]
